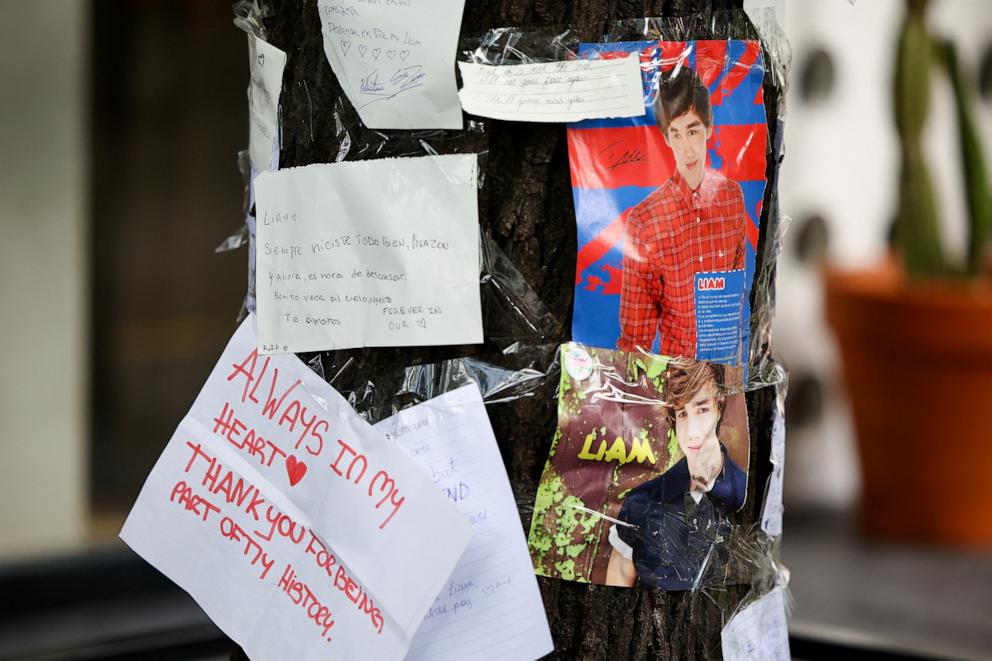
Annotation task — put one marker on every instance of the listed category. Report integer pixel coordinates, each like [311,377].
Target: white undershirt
[698,495]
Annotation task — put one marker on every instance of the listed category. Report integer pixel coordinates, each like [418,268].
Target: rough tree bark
[526,205]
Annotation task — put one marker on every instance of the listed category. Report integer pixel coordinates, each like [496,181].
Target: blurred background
[123,121]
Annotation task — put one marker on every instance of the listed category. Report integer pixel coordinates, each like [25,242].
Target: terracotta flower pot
[917,358]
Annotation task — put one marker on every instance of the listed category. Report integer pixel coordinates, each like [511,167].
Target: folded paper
[491,606]
[298,528]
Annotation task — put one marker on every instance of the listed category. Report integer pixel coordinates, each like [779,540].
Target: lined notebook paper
[567,91]
[491,607]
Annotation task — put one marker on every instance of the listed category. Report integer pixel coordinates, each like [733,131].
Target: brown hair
[684,379]
[678,94]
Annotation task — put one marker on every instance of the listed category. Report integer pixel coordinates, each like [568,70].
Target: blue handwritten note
[491,607]
[567,91]
[395,59]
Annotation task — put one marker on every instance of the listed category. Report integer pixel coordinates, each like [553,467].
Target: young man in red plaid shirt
[692,223]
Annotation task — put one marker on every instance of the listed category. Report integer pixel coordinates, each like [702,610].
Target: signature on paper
[405,78]
[370,84]
[615,155]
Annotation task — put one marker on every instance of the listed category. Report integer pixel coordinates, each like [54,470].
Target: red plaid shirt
[669,237]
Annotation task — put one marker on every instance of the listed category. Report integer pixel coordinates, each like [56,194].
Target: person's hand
[704,466]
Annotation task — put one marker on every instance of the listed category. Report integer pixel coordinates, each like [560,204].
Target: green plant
[917,231]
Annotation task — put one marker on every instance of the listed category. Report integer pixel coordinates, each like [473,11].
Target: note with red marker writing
[300,529]
[490,608]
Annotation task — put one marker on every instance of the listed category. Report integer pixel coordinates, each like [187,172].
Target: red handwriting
[246,497]
[357,464]
[301,595]
[193,503]
[284,525]
[343,581]
[232,531]
[290,414]
[294,415]
[243,493]
[202,507]
[229,427]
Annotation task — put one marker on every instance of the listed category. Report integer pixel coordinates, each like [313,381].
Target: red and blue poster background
[616,163]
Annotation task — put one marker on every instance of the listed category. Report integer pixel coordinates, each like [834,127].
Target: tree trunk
[526,206]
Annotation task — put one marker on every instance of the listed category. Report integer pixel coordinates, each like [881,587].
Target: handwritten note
[368,253]
[554,91]
[395,59]
[759,631]
[491,607]
[294,524]
[265,64]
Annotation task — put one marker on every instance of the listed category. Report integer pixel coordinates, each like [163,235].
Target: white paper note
[368,253]
[771,513]
[554,91]
[759,632]
[265,64]
[301,530]
[395,59]
[491,607]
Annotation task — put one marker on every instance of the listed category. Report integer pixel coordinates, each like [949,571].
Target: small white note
[491,606]
[554,91]
[395,59]
[265,64]
[368,253]
[759,632]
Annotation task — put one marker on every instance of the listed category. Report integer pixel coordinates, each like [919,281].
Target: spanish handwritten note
[301,530]
[265,64]
[491,607]
[368,253]
[395,59]
[554,91]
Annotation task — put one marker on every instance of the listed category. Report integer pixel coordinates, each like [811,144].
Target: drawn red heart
[295,469]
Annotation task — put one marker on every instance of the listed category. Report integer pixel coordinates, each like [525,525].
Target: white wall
[43,273]
[841,162]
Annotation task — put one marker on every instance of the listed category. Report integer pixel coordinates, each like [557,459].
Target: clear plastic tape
[249,15]
[240,236]
[513,314]
[497,384]
[524,371]
[503,46]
